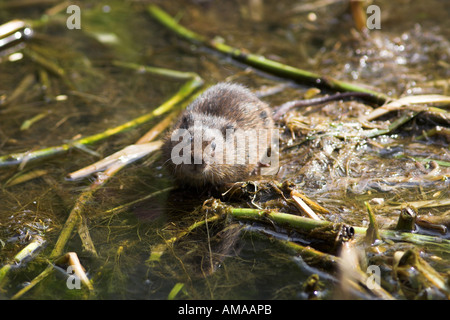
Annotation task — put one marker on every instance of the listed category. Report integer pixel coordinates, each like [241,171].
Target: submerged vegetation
[358,209]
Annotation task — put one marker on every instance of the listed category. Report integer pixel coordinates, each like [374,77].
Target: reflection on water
[64,85]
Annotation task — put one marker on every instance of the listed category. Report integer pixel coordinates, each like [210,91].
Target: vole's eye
[229,128]
[263,115]
[213,145]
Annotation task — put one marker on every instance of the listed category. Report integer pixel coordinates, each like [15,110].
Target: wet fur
[223,106]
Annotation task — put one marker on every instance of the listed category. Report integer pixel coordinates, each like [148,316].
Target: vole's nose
[197,163]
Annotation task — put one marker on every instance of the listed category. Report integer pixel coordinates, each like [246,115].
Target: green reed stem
[187,89]
[305,225]
[261,62]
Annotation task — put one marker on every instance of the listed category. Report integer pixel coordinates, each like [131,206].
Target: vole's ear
[185,121]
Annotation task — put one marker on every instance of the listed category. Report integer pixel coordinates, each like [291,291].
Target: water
[409,51]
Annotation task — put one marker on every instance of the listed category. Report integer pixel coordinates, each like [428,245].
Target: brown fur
[223,106]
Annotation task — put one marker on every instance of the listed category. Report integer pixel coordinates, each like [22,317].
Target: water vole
[219,138]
